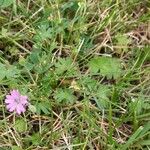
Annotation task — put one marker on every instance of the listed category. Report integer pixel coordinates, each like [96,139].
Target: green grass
[85,66]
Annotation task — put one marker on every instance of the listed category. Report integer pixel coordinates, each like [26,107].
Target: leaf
[4,32]
[135,106]
[146,106]
[32,108]
[64,96]
[89,85]
[43,64]
[44,107]
[43,33]
[94,65]
[72,5]
[102,96]
[144,55]
[34,57]
[65,64]
[35,138]
[20,125]
[5,3]
[8,71]
[109,67]
[12,72]
[122,42]
[3,71]
[145,131]
[145,142]
[14,147]
[29,66]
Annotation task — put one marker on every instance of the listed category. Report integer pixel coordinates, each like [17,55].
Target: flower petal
[15,93]
[23,100]
[20,109]
[7,101]
[9,96]
[10,107]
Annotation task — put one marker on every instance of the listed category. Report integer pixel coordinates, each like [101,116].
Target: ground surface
[85,67]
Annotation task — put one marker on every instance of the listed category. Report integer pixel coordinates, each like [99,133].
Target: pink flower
[15,102]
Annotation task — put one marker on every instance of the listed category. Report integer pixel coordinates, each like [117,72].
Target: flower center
[17,100]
